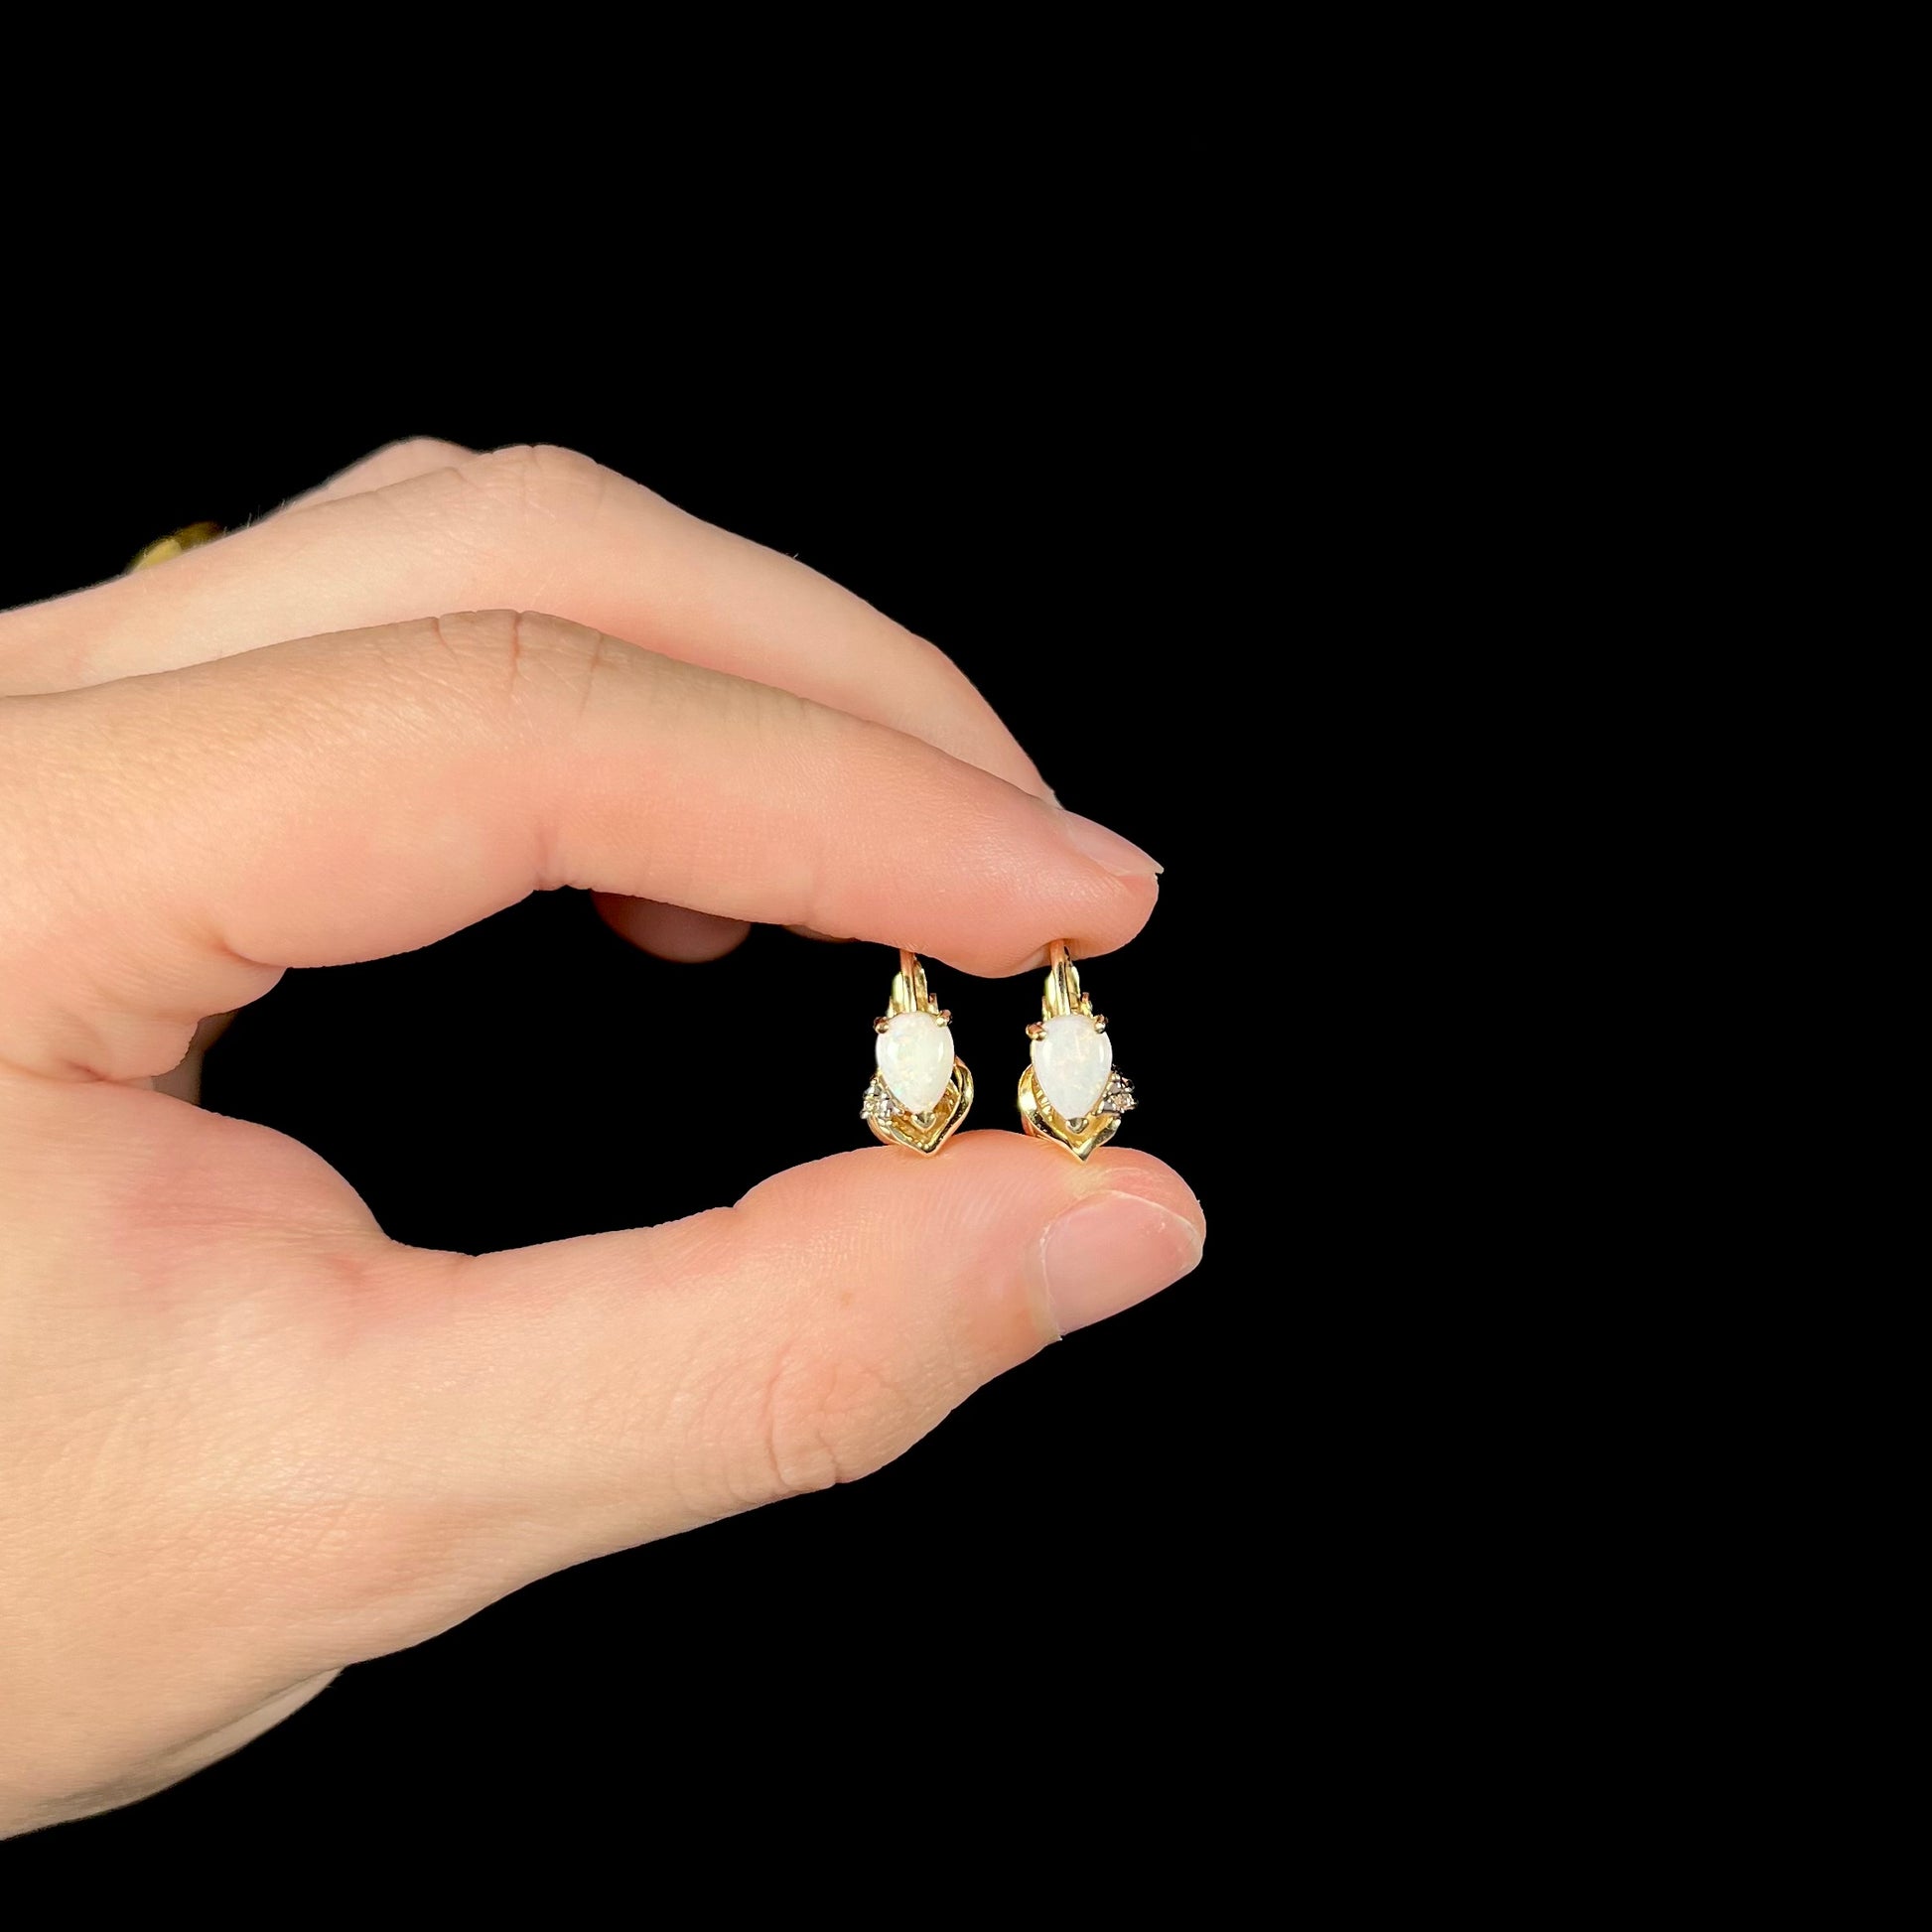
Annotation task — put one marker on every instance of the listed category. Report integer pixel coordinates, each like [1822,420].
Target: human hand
[245,1439]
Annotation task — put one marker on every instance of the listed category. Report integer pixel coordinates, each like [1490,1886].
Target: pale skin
[245,1440]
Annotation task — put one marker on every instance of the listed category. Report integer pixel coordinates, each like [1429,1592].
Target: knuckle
[805,1422]
[541,482]
[421,451]
[519,657]
[429,448]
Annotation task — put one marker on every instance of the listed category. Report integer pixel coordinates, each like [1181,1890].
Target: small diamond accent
[878,1103]
[1119,1097]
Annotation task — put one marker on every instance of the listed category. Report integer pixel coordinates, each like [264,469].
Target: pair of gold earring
[1072,1094]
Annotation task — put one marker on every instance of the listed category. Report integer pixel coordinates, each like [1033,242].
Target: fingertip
[672,932]
[1107,849]
[1134,900]
[1139,1230]
[1130,1170]
[1109,920]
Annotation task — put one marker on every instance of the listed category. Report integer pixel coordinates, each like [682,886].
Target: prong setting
[915,1059]
[1072,1066]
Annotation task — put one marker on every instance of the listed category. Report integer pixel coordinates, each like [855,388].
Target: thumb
[581,1397]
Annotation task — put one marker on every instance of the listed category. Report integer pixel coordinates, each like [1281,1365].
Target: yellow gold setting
[1060,999]
[898,1126]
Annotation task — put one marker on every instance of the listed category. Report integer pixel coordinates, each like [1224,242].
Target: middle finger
[518,529]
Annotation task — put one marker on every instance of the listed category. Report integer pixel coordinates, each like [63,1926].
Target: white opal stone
[1071,1062]
[915,1060]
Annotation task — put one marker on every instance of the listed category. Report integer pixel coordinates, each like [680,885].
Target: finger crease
[516,650]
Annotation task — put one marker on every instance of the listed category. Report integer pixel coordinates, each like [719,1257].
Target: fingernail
[1120,856]
[1109,1252]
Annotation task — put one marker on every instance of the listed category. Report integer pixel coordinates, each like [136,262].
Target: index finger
[520,529]
[180,839]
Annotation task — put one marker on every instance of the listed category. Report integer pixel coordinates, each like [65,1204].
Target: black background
[1034,1612]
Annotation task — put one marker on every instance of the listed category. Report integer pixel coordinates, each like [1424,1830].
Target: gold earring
[922,1090]
[1072,1094]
